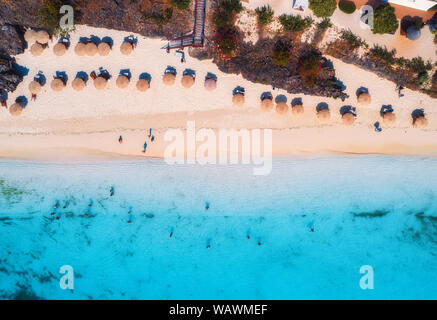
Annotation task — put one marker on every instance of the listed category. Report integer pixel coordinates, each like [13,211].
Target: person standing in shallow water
[111,191]
[120,140]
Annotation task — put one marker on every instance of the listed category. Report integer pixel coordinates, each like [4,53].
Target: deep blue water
[364,210]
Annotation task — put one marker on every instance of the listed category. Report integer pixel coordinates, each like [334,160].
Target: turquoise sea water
[364,210]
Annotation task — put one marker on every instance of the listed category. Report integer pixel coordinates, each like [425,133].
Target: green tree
[385,20]
[281,53]
[180,4]
[347,6]
[49,15]
[310,69]
[323,8]
[265,15]
[295,23]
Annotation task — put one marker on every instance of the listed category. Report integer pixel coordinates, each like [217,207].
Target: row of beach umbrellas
[267,104]
[40,39]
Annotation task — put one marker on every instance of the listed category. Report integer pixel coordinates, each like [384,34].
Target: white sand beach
[67,123]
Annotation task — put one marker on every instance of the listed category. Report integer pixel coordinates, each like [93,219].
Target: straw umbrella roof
[30,36]
[238,99]
[36,49]
[143,85]
[59,49]
[15,109]
[35,87]
[126,48]
[348,118]
[80,49]
[122,82]
[91,49]
[364,98]
[210,84]
[187,81]
[389,117]
[324,115]
[169,79]
[297,109]
[42,37]
[420,122]
[103,48]
[78,84]
[281,108]
[57,84]
[100,83]
[266,104]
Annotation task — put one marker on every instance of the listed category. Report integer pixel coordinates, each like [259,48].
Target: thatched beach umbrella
[297,109]
[389,118]
[91,49]
[266,104]
[60,49]
[42,37]
[420,122]
[57,84]
[78,84]
[126,48]
[281,108]
[15,109]
[187,81]
[210,84]
[238,99]
[348,119]
[122,82]
[103,48]
[30,36]
[364,98]
[169,79]
[100,83]
[323,115]
[35,87]
[80,49]
[36,49]
[143,85]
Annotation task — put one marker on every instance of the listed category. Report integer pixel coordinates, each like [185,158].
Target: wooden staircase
[196,38]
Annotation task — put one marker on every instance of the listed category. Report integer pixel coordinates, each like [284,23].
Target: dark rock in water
[9,79]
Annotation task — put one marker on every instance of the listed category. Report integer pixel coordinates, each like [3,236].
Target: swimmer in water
[259,243]
[171,234]
[56,205]
[65,205]
[207,206]
[208,246]
[90,204]
[248,237]
[52,214]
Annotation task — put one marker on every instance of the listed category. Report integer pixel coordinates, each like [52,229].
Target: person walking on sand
[120,140]
[145,147]
[150,133]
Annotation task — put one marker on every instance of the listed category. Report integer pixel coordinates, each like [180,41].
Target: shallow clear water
[367,210]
